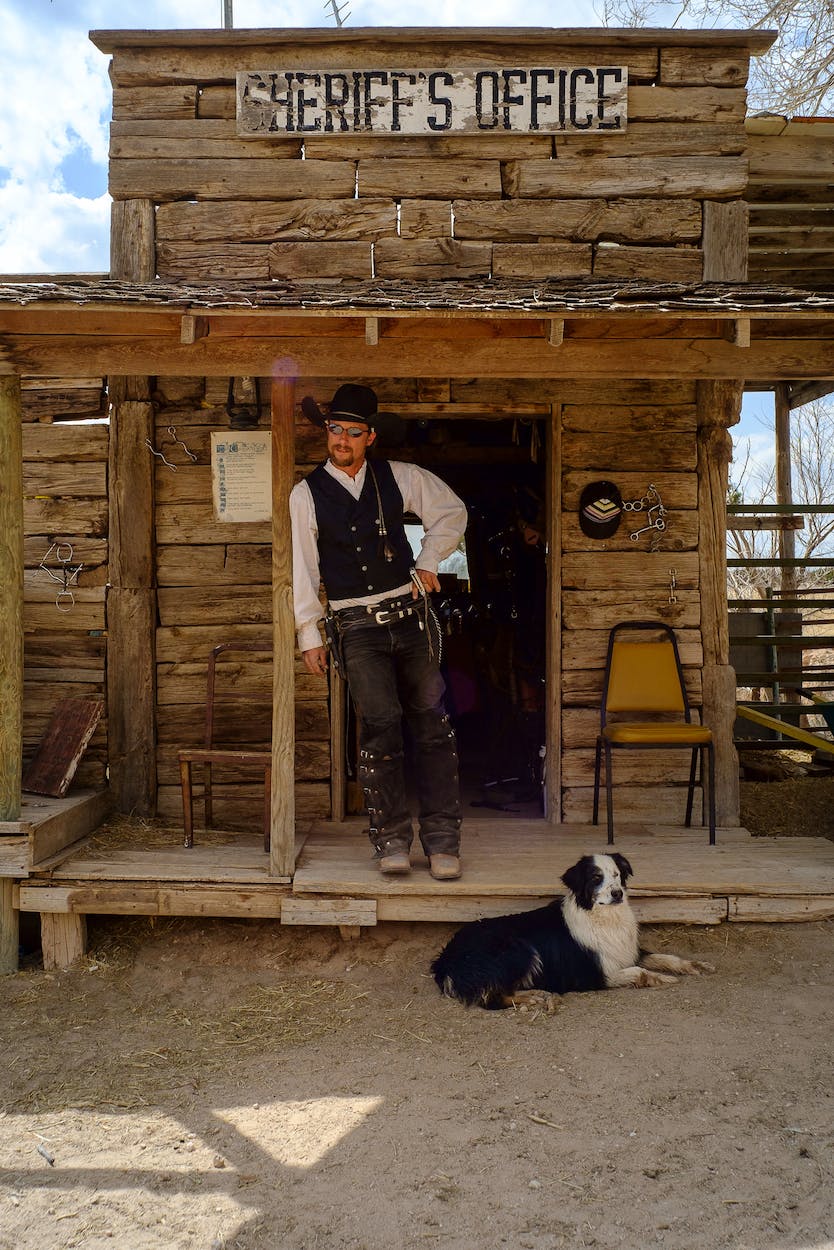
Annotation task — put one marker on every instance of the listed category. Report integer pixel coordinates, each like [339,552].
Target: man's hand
[315,661]
[429,580]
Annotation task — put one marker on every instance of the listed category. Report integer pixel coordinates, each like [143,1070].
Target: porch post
[719,406]
[11,638]
[282,853]
[553,696]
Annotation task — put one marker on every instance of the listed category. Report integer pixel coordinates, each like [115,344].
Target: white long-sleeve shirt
[444,520]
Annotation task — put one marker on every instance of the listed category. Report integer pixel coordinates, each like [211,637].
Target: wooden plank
[725,241]
[65,444]
[796,357]
[202,146]
[431,258]
[646,419]
[780,910]
[617,220]
[202,262]
[672,264]
[713,105]
[57,828]
[306,219]
[166,59]
[336,911]
[63,940]
[53,766]
[666,176]
[425,219]
[690,67]
[118,899]
[653,139]
[638,571]
[430,179]
[541,260]
[163,180]
[679,910]
[784,726]
[75,516]
[174,101]
[49,478]
[11,608]
[320,260]
[666,453]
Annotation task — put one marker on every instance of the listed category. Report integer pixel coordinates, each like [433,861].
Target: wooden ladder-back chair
[644,679]
[210,754]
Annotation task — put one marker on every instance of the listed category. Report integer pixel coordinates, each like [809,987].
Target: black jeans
[392,675]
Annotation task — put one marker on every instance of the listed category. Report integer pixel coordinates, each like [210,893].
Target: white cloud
[55,102]
[48,230]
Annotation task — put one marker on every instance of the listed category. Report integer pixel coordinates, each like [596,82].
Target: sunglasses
[352,431]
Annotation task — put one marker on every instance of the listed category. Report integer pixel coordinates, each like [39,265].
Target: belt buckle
[383,618]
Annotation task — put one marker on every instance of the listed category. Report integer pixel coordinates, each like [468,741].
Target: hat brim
[389,427]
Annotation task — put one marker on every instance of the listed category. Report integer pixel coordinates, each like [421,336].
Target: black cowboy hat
[600,509]
[358,403]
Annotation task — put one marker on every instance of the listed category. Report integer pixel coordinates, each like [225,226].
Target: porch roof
[402,328]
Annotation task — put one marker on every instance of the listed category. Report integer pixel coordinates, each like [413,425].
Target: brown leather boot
[395,863]
[444,867]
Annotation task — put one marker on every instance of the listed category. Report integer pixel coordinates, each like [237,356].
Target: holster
[333,639]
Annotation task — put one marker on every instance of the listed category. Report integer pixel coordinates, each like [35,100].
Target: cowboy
[348,532]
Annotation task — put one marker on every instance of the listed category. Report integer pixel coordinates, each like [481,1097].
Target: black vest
[351,562]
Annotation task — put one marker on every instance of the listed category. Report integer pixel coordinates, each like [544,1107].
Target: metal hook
[172,430]
[160,454]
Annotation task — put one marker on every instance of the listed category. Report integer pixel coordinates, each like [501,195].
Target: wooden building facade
[545,308]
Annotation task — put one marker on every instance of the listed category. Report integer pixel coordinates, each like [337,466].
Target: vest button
[364,568]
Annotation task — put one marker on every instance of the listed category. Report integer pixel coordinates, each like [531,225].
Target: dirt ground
[209,1085]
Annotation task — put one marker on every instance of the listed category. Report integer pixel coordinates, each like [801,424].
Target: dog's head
[598,880]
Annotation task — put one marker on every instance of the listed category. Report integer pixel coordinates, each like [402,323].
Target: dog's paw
[535,1000]
[697,967]
[654,980]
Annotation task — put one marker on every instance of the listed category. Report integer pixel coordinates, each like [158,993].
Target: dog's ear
[579,881]
[624,866]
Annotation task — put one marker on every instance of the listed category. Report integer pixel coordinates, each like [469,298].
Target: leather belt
[384,613]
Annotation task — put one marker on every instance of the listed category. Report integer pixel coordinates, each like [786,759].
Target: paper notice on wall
[241,475]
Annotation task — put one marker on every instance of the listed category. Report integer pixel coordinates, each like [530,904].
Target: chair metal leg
[597,761]
[609,794]
[690,797]
[711,758]
[267,806]
[187,802]
[208,795]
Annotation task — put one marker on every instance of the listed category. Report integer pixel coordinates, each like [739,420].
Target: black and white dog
[587,940]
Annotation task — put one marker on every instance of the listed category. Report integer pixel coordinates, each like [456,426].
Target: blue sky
[55,112]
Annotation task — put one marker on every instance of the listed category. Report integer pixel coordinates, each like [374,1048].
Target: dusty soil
[206,1084]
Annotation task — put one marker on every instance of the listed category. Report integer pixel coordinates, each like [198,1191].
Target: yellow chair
[644,678]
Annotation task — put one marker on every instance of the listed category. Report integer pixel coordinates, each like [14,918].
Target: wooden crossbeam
[790,731]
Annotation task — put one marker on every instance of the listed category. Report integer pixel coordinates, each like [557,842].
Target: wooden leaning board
[70,729]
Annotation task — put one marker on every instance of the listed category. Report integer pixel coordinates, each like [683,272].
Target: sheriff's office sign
[426,102]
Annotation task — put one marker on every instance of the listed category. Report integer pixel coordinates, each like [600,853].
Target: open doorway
[492,606]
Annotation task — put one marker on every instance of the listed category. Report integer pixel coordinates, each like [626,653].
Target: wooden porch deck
[509,864]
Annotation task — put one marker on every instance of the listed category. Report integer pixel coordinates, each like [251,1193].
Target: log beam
[767,359]
[11,600]
[282,852]
[719,405]
[9,927]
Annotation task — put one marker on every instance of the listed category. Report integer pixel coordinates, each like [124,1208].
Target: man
[347,531]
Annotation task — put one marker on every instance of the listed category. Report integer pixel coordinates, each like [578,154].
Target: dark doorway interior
[492,607]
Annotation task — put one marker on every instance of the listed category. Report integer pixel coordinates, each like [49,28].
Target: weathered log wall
[629,205]
[215,585]
[65,453]
[791,201]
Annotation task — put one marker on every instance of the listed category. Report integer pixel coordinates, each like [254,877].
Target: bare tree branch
[796,77]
